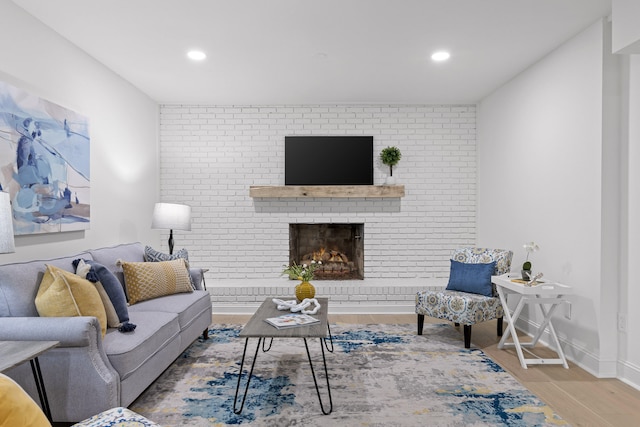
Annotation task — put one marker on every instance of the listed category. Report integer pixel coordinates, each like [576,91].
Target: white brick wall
[209,157]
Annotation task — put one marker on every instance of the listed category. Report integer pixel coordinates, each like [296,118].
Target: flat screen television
[328,160]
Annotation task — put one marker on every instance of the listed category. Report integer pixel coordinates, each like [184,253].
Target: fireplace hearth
[340,248]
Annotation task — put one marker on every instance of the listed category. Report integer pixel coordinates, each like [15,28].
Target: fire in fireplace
[340,247]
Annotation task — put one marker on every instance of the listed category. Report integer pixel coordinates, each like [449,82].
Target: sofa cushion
[147,280]
[472,278]
[17,408]
[132,252]
[187,306]
[128,352]
[64,294]
[19,284]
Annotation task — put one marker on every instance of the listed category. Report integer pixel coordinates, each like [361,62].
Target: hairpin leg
[330,350]
[315,381]
[246,389]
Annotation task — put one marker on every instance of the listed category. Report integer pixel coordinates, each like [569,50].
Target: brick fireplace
[211,156]
[339,247]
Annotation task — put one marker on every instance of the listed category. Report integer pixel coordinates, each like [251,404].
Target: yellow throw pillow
[147,280]
[64,294]
[17,408]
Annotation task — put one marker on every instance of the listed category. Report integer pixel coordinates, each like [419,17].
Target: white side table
[548,296]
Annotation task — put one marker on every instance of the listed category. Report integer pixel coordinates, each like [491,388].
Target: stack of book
[291,320]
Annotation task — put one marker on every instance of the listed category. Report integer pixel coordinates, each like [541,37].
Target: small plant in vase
[304,273]
[390,156]
[526,266]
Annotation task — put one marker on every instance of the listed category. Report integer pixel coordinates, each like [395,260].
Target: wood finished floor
[577,396]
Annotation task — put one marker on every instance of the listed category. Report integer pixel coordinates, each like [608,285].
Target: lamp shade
[6,224]
[171,216]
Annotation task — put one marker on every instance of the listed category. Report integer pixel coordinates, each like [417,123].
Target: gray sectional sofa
[87,374]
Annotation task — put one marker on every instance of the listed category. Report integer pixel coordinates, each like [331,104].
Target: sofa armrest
[197,276]
[78,369]
[70,331]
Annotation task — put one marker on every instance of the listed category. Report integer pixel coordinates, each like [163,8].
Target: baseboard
[581,356]
[629,374]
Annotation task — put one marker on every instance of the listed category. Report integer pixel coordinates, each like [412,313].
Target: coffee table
[256,327]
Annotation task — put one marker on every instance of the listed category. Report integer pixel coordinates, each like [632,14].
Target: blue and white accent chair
[469,297]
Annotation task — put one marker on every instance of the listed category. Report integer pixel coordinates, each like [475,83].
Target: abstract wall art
[44,163]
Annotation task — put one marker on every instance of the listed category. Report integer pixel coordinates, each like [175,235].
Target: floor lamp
[6,224]
[171,216]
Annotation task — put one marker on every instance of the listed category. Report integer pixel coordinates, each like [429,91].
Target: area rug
[380,375]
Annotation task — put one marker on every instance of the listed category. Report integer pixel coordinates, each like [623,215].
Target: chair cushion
[502,257]
[459,307]
[472,278]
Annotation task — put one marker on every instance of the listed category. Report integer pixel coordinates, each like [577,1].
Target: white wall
[626,32]
[210,156]
[123,126]
[540,174]
[629,365]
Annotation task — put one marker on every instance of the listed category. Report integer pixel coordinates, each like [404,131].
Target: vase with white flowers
[526,266]
[304,273]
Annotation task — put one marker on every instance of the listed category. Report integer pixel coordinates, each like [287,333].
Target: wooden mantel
[343,191]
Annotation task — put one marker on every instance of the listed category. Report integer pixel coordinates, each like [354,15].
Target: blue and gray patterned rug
[380,375]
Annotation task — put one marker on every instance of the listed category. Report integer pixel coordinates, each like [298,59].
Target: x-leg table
[548,297]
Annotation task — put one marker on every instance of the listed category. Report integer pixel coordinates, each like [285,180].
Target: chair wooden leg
[467,336]
[420,323]
[205,334]
[499,326]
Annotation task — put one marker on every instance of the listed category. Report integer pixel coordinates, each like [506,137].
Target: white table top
[544,287]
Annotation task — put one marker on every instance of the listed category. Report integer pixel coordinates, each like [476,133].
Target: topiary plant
[390,156]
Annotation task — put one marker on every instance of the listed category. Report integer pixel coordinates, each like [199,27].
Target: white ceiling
[317,51]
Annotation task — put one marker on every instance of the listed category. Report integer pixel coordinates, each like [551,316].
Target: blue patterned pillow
[151,255]
[472,278]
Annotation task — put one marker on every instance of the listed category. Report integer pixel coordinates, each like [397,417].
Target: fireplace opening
[340,248]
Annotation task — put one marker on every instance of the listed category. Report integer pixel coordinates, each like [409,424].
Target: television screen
[328,160]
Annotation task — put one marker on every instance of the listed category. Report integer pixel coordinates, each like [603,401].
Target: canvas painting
[44,163]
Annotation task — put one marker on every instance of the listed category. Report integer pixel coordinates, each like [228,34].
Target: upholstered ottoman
[121,417]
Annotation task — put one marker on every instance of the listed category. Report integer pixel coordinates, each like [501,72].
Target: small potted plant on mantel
[390,156]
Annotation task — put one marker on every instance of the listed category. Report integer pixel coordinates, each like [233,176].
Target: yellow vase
[305,290]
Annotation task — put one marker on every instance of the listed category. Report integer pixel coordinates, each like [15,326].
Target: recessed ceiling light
[196,55]
[440,56]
